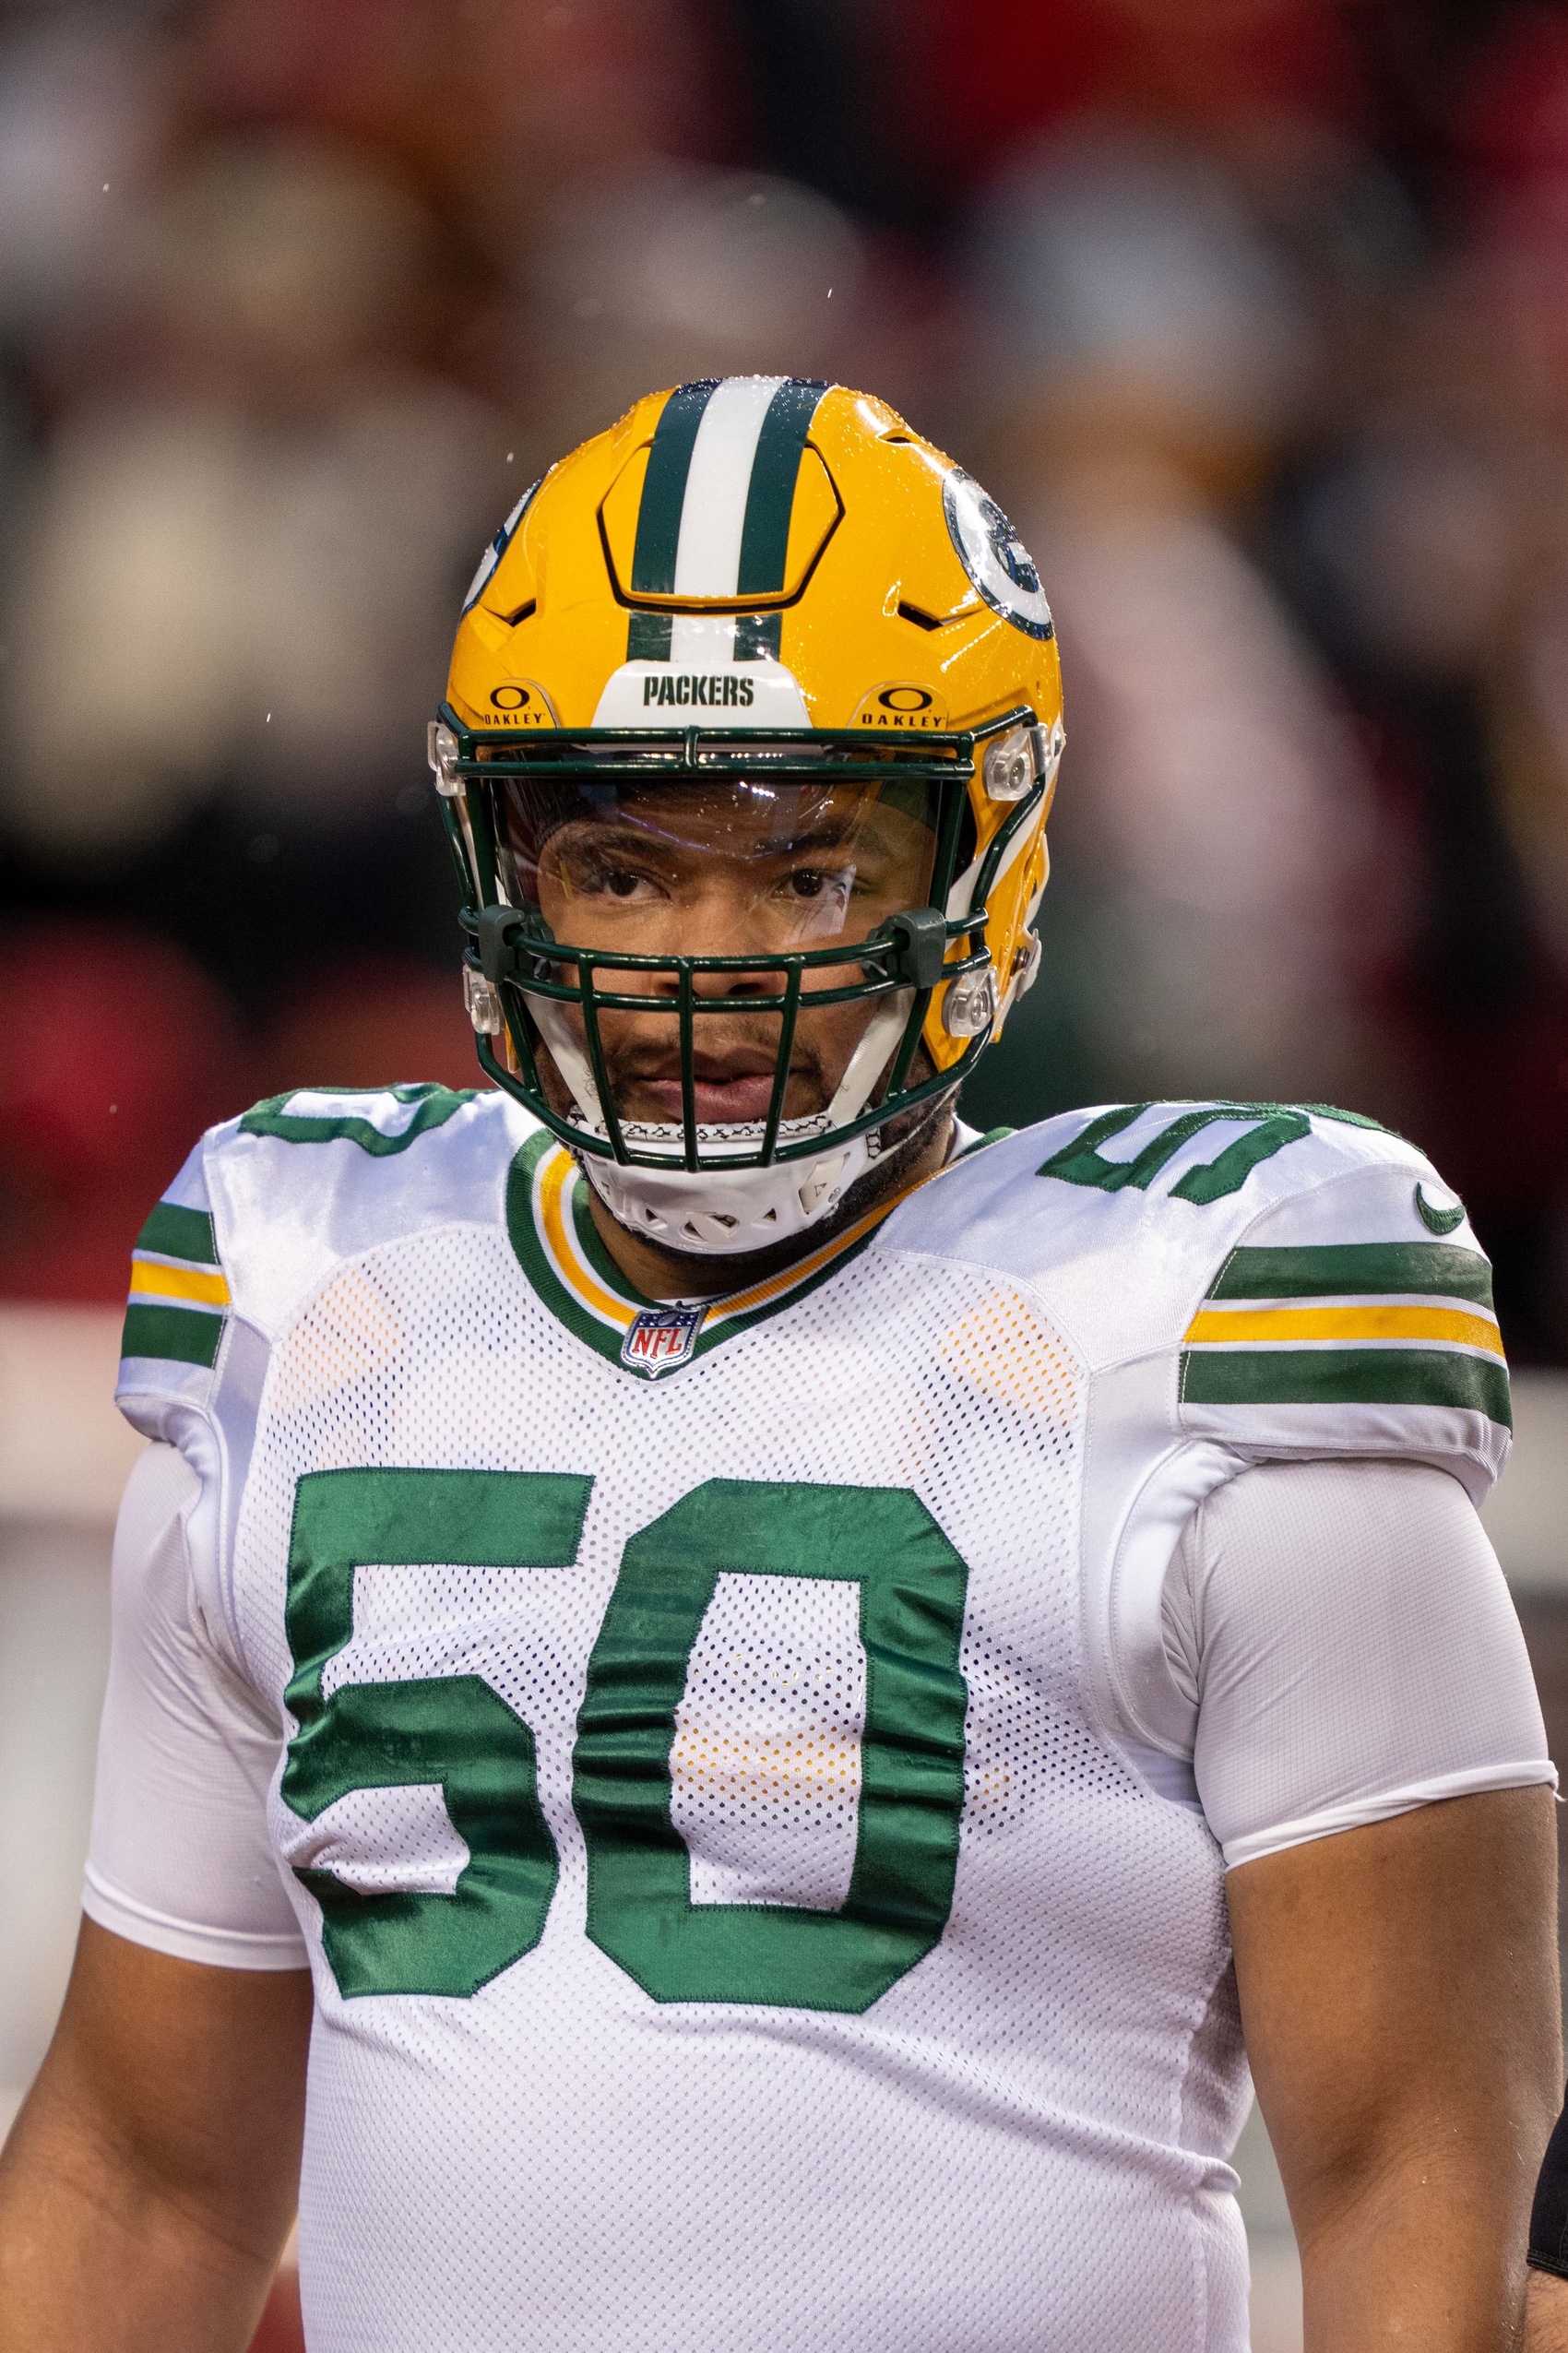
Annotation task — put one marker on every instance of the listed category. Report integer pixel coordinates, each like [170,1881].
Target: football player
[810,1687]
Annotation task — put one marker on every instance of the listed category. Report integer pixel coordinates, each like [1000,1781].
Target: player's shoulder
[1178,1182]
[355,1167]
[1312,1282]
[268,1202]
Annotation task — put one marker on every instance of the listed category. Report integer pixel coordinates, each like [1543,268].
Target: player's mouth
[728,1089]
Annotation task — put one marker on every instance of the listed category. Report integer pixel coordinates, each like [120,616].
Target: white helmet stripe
[708,553]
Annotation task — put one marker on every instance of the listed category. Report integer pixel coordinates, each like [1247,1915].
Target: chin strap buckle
[920,946]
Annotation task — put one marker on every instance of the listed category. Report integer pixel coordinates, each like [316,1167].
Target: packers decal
[761,694]
[994,556]
[692,686]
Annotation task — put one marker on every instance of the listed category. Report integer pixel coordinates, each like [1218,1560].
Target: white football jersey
[754,1904]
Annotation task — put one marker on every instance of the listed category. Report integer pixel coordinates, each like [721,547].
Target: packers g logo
[993,555]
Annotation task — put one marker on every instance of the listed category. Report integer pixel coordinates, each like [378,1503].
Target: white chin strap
[712,1210]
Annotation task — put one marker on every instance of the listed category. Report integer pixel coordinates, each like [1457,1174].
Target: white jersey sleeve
[1344,1644]
[1300,1396]
[179,1858]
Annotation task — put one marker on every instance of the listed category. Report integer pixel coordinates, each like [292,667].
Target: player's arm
[1399,1987]
[148,2184]
[1368,1750]
[150,2178]
[1546,2328]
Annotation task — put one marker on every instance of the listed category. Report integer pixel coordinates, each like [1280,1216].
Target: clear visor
[728,867]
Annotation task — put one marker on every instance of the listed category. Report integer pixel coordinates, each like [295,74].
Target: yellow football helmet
[773,580]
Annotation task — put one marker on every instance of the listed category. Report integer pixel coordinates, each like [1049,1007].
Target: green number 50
[457,1731]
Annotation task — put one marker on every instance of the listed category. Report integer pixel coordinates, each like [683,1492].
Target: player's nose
[724,919]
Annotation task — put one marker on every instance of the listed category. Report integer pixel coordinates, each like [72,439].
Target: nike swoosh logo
[1438,1221]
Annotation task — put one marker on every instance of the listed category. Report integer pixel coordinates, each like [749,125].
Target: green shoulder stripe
[1349,1269]
[1346,1376]
[436,1105]
[174,1232]
[179,1333]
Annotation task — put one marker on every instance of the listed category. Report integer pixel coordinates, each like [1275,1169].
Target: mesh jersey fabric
[930,2034]
[1340,1633]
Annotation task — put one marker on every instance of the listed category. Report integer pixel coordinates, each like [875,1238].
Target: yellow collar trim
[556,1227]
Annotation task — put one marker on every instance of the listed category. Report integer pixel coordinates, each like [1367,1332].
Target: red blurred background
[1256,316]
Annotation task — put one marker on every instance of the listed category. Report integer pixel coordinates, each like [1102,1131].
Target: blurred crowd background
[1253,314]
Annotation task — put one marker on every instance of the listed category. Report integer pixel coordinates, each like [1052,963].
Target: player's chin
[904,1140]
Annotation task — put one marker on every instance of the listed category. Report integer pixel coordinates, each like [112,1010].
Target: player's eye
[813,882]
[601,878]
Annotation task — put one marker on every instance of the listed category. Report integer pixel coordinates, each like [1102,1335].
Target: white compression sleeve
[180,1858]
[1344,1633]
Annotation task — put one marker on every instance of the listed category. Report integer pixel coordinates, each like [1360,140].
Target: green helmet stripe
[664,489]
[764,535]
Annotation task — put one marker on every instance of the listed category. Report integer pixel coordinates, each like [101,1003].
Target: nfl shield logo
[661,1338]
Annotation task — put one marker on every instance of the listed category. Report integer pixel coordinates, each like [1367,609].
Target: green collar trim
[559,1248]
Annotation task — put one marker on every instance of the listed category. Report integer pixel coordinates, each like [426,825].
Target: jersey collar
[558,1246]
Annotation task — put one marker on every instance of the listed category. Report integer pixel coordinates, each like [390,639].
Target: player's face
[738,868]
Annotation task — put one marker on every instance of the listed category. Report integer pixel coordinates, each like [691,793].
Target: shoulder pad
[1315,1286]
[269,1203]
[1354,1317]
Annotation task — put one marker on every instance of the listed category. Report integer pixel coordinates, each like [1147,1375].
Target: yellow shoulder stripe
[179,1282]
[1234,1328]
